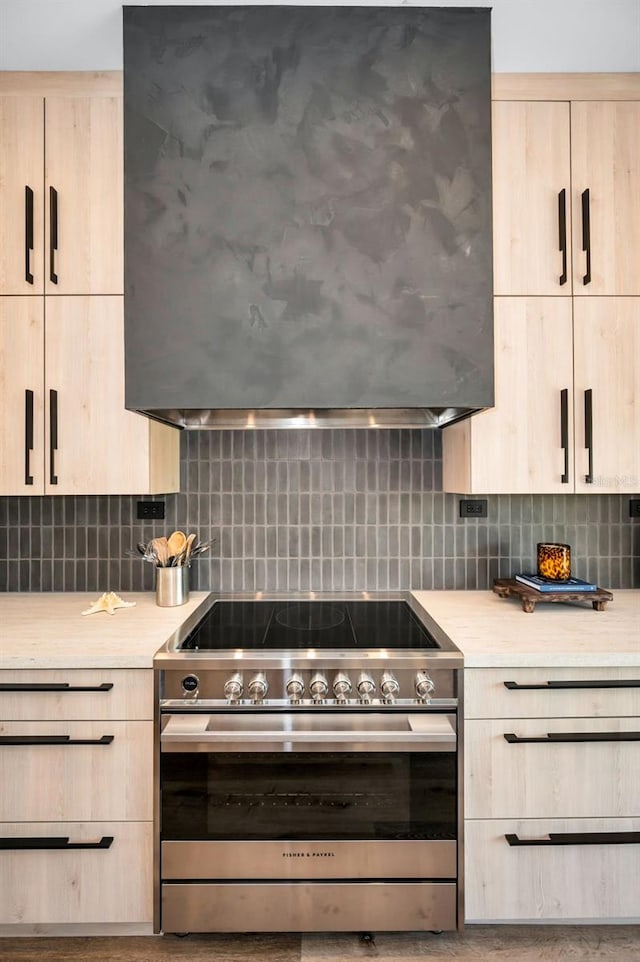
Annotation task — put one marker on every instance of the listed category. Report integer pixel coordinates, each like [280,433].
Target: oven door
[308,796]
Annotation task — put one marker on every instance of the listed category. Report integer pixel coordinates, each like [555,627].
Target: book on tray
[544,584]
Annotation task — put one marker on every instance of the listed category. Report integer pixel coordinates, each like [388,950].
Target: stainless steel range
[310,768]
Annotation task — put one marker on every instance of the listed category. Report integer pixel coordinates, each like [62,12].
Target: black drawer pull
[54,686]
[53,740]
[53,233]
[562,232]
[586,234]
[555,737]
[578,838]
[28,435]
[564,685]
[28,233]
[57,843]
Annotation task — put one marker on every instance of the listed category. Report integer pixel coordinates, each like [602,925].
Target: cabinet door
[531,194]
[517,446]
[84,193]
[607,364]
[102,875]
[552,768]
[553,869]
[97,770]
[605,161]
[21,195]
[101,447]
[21,395]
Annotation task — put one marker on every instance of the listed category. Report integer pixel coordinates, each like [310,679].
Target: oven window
[306,796]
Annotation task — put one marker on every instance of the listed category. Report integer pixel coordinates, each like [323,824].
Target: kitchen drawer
[119,693]
[554,692]
[552,779]
[108,780]
[590,879]
[58,885]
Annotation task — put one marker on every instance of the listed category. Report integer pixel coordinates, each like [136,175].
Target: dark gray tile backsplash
[314,510]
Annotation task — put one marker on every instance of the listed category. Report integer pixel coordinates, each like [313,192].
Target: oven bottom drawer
[308,907]
[307,861]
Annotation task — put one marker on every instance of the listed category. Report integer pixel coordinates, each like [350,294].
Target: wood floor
[475,944]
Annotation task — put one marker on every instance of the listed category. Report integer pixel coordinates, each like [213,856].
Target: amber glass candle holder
[554,561]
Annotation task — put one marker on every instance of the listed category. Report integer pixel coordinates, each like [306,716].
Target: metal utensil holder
[172,586]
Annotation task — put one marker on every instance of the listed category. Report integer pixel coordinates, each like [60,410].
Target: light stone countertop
[495,632]
[47,630]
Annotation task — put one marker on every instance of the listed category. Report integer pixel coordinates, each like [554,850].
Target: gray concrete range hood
[307,215]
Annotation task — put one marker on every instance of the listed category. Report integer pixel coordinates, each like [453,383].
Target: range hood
[307,215]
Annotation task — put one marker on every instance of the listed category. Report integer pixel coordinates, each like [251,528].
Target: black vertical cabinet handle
[564,432]
[28,435]
[586,234]
[562,232]
[52,842]
[53,435]
[588,433]
[28,233]
[53,233]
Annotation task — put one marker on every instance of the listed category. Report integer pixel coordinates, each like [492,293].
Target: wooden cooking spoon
[187,548]
[160,546]
[176,543]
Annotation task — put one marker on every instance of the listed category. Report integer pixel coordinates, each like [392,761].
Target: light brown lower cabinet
[534,870]
[76,801]
[57,881]
[552,794]
[100,770]
[551,767]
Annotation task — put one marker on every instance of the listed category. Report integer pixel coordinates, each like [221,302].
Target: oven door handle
[198,734]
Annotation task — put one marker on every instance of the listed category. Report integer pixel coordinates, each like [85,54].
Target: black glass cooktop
[293,625]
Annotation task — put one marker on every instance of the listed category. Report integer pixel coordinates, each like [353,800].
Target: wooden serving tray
[509,587]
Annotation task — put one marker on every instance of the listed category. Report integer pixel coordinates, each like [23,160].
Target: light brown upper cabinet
[566,201]
[566,197]
[567,413]
[531,196]
[606,335]
[68,432]
[21,395]
[525,443]
[61,195]
[605,162]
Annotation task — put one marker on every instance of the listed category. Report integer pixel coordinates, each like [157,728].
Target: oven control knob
[366,686]
[389,685]
[258,686]
[233,687]
[341,686]
[295,687]
[319,686]
[190,685]
[425,685]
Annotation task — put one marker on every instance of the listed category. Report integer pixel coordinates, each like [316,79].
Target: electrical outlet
[150,510]
[473,509]
[634,507]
